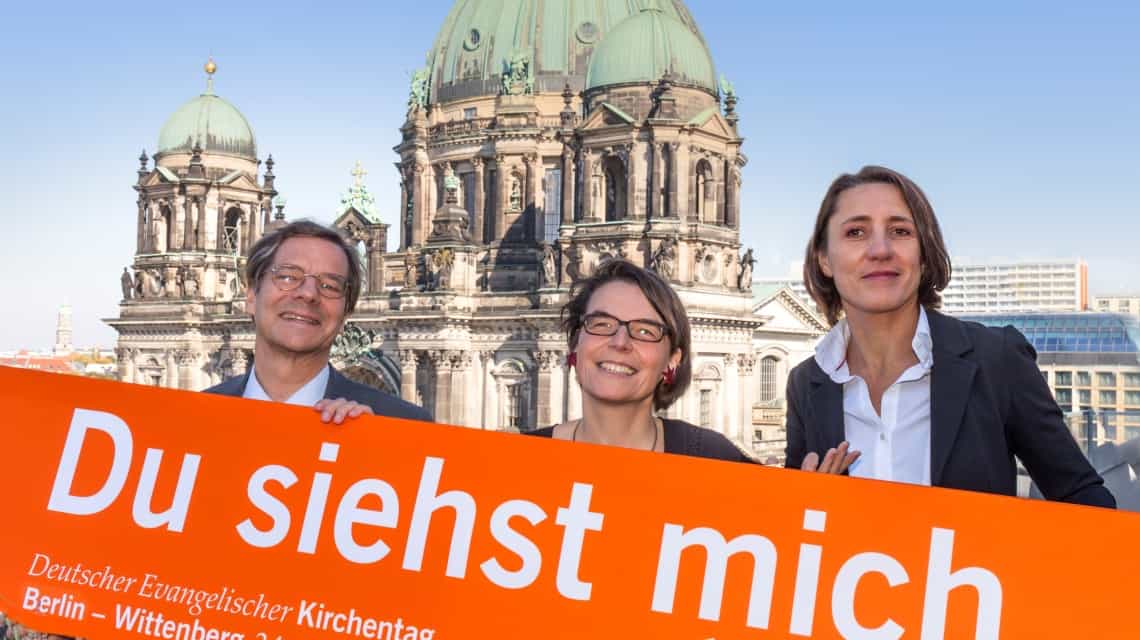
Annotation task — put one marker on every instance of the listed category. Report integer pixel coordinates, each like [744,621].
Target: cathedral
[537,144]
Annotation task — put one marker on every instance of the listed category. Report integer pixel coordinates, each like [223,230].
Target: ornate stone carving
[407,359]
[440,265]
[549,360]
[746,362]
[517,78]
[410,274]
[352,343]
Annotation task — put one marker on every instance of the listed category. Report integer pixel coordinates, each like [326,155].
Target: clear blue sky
[1020,119]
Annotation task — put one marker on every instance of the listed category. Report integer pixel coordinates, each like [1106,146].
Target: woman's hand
[835,461]
[336,411]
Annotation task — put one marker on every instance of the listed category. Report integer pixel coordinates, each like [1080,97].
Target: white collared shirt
[894,445]
[308,395]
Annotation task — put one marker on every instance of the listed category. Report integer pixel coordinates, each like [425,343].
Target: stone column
[530,199]
[376,274]
[547,362]
[656,198]
[480,200]
[408,375]
[502,196]
[418,204]
[677,189]
[441,362]
[186,360]
[747,364]
[192,209]
[240,362]
[735,199]
[460,377]
[405,241]
[140,245]
[567,184]
[573,394]
[489,413]
[174,230]
[201,244]
[632,211]
[730,402]
[170,376]
[126,364]
[220,228]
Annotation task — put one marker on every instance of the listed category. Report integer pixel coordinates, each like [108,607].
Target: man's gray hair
[262,253]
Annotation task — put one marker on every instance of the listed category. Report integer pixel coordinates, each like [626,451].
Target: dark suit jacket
[382,404]
[988,403]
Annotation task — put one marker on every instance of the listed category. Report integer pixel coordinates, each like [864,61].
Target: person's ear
[824,263]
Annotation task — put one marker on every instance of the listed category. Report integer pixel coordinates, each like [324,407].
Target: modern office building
[1124,303]
[1091,362]
[1017,287]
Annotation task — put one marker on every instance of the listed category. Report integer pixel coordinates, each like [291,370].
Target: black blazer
[988,403]
[382,404]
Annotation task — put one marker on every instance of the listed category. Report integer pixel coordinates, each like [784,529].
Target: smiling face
[299,322]
[873,252]
[618,369]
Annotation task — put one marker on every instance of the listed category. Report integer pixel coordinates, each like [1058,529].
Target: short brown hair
[664,300]
[934,259]
[263,252]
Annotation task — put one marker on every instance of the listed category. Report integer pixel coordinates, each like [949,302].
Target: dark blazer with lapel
[382,404]
[988,403]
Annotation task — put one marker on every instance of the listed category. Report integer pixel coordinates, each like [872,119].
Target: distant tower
[63,345]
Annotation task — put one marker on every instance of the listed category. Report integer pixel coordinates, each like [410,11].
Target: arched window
[164,231]
[614,171]
[768,373]
[705,198]
[231,230]
[513,382]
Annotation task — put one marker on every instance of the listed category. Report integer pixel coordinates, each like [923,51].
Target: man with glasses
[302,282]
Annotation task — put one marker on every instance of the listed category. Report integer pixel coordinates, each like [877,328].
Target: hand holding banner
[140,512]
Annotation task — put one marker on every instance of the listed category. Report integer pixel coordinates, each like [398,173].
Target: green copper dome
[646,46]
[211,122]
[480,38]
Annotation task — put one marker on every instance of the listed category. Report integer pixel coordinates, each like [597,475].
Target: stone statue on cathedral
[410,275]
[744,281]
[418,91]
[664,260]
[127,283]
[549,266]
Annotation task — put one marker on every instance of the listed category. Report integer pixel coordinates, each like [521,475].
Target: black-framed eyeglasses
[603,324]
[288,277]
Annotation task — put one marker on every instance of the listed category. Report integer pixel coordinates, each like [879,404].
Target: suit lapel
[951,379]
[826,403]
[333,387]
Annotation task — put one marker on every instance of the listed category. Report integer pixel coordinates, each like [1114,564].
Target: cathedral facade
[538,143]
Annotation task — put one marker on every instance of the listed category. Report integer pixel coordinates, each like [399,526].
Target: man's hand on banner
[336,411]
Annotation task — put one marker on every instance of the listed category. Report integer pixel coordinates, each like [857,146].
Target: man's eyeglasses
[287,277]
[603,324]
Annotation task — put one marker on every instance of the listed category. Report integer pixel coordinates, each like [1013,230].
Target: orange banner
[130,511]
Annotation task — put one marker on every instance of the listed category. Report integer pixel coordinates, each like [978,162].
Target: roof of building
[211,122]
[645,47]
[480,37]
[1071,332]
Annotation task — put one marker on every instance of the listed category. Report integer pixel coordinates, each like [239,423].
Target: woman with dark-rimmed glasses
[630,348]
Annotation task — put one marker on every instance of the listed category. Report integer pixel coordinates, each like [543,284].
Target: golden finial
[210,69]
